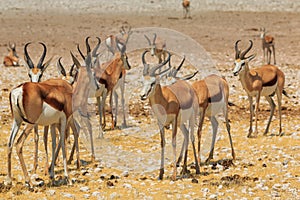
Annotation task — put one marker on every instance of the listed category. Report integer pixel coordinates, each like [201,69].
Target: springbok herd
[61,103]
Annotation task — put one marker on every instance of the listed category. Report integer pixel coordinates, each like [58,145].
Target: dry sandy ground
[266,167]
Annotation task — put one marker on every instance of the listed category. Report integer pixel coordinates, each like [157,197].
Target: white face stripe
[239,65]
[148,86]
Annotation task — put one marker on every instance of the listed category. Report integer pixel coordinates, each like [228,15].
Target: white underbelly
[50,116]
[185,115]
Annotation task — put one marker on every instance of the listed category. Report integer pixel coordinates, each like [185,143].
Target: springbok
[174,104]
[50,102]
[267,43]
[12,59]
[35,73]
[112,75]
[186,8]
[212,93]
[266,81]
[111,40]
[157,47]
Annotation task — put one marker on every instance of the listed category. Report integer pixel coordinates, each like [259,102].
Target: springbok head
[70,76]
[150,76]
[94,54]
[122,53]
[241,62]
[12,50]
[152,44]
[35,72]
[262,32]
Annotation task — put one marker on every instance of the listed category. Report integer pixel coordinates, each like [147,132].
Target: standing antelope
[267,43]
[212,93]
[35,73]
[266,80]
[49,102]
[12,59]
[157,47]
[174,104]
[112,75]
[111,40]
[186,8]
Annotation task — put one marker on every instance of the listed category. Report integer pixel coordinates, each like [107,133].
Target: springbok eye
[243,64]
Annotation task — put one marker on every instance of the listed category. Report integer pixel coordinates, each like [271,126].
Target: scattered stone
[84,189]
[194,180]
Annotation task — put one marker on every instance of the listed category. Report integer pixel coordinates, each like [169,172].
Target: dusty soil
[266,167]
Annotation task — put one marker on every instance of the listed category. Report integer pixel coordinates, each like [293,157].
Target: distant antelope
[266,81]
[12,59]
[186,8]
[174,104]
[111,40]
[157,47]
[268,43]
[212,93]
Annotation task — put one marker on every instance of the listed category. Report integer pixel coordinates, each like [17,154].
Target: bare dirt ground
[266,167]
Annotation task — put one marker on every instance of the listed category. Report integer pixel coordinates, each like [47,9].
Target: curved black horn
[148,39]
[143,57]
[154,38]
[237,51]
[247,50]
[88,48]
[94,52]
[27,58]
[152,72]
[40,63]
[60,67]
[83,57]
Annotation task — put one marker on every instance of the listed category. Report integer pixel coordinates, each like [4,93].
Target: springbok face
[149,84]
[241,62]
[152,45]
[13,53]
[69,77]
[124,58]
[35,72]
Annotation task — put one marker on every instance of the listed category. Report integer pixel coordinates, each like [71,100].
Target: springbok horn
[75,61]
[61,68]
[88,48]
[94,52]
[154,38]
[153,70]
[83,57]
[179,67]
[40,63]
[237,51]
[148,39]
[27,58]
[247,50]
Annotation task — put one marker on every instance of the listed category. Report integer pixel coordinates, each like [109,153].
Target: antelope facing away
[157,47]
[186,8]
[174,104]
[12,59]
[266,81]
[212,93]
[267,43]
[46,103]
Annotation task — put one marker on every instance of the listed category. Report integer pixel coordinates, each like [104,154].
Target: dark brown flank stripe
[215,98]
[270,83]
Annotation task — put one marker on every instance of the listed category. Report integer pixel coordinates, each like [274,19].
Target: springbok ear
[250,57]
[44,66]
